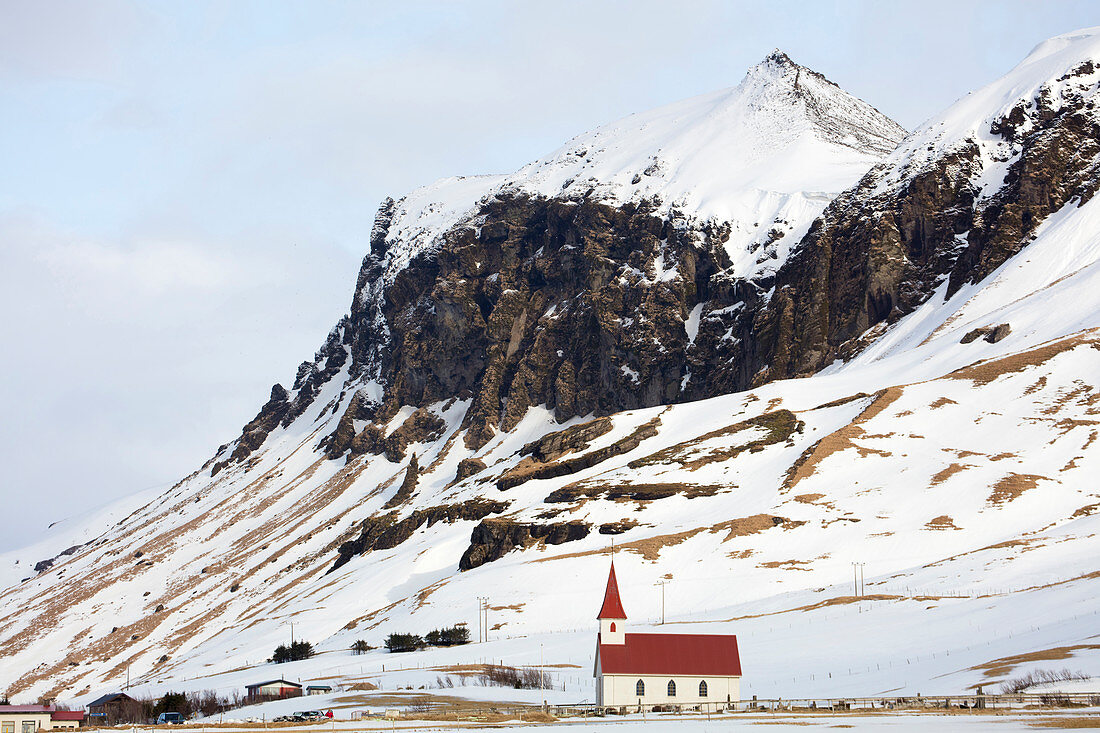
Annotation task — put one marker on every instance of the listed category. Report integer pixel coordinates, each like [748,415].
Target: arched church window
[612,627]
[639,689]
[672,688]
[703,688]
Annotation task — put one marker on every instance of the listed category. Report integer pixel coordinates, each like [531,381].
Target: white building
[661,669]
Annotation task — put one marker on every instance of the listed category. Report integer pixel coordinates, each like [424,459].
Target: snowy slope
[960,473]
[1046,72]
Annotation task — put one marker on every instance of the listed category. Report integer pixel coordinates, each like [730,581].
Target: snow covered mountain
[535,363]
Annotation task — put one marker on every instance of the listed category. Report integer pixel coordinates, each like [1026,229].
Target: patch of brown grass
[1004,665]
[941,522]
[984,372]
[1012,486]
[1085,511]
[786,564]
[941,402]
[940,476]
[841,401]
[779,426]
[1083,721]
[839,440]
[808,498]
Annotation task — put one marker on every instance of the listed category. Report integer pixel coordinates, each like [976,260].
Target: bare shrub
[1040,677]
[523,678]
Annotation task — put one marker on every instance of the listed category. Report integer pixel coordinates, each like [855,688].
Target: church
[661,669]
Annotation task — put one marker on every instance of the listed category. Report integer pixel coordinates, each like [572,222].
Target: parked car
[170,718]
[310,715]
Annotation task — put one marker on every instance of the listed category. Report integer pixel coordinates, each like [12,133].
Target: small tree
[361,647]
[455,635]
[452,636]
[297,651]
[282,654]
[172,702]
[301,650]
[404,642]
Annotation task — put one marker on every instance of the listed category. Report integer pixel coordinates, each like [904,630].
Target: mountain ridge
[556,371]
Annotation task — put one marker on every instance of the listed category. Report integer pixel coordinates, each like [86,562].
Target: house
[318,689]
[24,718]
[67,719]
[273,690]
[116,707]
[661,669]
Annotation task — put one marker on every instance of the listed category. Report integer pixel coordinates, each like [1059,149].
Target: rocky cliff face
[588,304]
[617,291]
[913,225]
[575,305]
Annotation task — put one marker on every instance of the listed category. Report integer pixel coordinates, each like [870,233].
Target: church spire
[612,606]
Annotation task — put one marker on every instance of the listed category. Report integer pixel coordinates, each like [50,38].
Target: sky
[187,188]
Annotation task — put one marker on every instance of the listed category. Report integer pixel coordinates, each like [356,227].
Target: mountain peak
[778,58]
[797,95]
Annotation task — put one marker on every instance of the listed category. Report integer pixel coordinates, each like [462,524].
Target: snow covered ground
[767,721]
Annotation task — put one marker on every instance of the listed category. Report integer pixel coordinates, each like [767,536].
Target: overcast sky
[186,188]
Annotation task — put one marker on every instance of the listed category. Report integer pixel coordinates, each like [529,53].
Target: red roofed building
[661,669]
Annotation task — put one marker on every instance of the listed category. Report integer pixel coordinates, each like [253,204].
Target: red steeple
[612,606]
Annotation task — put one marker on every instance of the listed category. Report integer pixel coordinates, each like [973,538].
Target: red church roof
[612,606]
[696,655]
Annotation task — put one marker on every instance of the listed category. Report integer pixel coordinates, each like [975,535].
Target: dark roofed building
[113,708]
[273,690]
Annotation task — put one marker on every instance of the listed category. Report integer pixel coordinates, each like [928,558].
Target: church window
[703,688]
[672,688]
[612,627]
[639,689]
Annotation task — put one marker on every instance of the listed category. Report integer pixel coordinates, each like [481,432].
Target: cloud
[66,38]
[129,361]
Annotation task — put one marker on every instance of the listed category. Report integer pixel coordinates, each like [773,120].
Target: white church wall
[621,690]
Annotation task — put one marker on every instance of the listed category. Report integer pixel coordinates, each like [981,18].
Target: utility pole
[662,583]
[855,582]
[483,618]
[862,587]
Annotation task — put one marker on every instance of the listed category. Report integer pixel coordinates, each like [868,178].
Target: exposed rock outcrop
[532,468]
[990,334]
[385,531]
[408,485]
[492,539]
